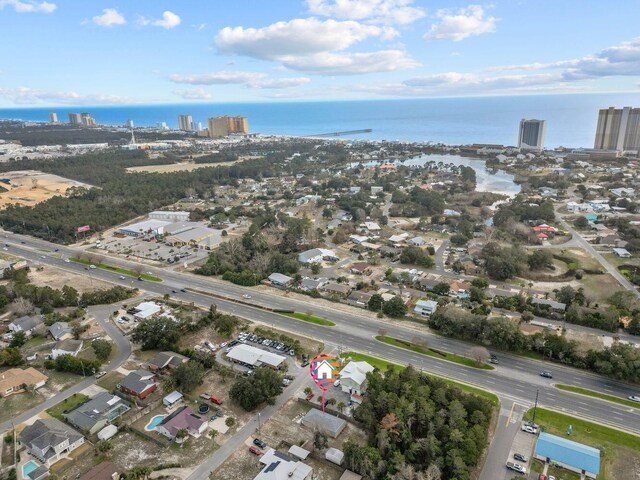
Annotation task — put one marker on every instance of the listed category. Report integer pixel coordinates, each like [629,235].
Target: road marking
[513,405]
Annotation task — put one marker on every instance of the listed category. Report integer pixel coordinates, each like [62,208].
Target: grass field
[603,396]
[310,319]
[616,447]
[383,365]
[110,380]
[121,271]
[450,357]
[66,405]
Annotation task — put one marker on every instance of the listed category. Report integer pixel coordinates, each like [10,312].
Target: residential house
[17,380]
[146,310]
[370,226]
[358,298]
[417,241]
[182,419]
[61,331]
[172,399]
[428,282]
[102,471]
[551,303]
[398,239]
[353,377]
[309,284]
[622,252]
[138,384]
[50,440]
[279,466]
[358,239]
[459,289]
[336,289]
[95,414]
[168,360]
[360,268]
[317,255]
[425,308]
[623,192]
[330,424]
[25,324]
[66,347]
[280,280]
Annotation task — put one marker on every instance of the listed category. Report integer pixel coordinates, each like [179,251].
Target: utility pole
[15,449]
[535,406]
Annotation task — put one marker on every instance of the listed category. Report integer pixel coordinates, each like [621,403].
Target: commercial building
[53,117]
[254,357]
[153,227]
[223,126]
[618,129]
[50,440]
[95,414]
[75,119]
[353,377]
[194,237]
[16,380]
[185,123]
[531,134]
[571,455]
[169,216]
[146,310]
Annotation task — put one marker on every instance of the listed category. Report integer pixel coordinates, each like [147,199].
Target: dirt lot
[282,431]
[179,167]
[29,187]
[56,278]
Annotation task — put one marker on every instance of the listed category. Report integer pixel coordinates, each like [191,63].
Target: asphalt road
[515,379]
[123,351]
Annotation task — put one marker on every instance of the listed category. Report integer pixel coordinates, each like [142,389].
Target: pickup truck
[516,467]
[211,398]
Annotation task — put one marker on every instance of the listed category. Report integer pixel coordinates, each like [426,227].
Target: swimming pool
[28,467]
[155,421]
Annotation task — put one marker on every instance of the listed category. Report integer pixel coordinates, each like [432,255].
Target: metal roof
[562,450]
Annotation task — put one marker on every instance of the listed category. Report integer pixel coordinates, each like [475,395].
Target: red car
[216,400]
[309,397]
[255,450]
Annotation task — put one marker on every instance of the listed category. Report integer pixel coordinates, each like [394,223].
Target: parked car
[92,267]
[494,360]
[255,450]
[520,457]
[122,277]
[529,429]
[246,296]
[336,383]
[542,476]
[259,443]
[101,374]
[183,290]
[304,364]
[634,398]
[516,467]
[309,397]
[546,374]
[216,400]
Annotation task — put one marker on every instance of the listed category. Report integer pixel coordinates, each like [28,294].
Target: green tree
[441,288]
[230,422]
[160,333]
[11,357]
[102,349]
[375,302]
[320,440]
[18,339]
[187,376]
[540,259]
[581,223]
[395,307]
[316,268]
[263,386]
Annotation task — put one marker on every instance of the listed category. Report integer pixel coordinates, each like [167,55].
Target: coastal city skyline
[296,50]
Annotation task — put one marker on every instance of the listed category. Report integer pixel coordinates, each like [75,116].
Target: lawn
[18,403]
[617,447]
[110,380]
[384,364]
[64,406]
[431,352]
[121,271]
[603,396]
[309,318]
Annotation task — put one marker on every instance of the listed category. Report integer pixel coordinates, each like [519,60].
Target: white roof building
[146,310]
[353,377]
[254,357]
[279,466]
[155,227]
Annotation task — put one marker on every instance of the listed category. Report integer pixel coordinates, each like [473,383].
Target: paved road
[440,253]
[123,350]
[603,261]
[516,378]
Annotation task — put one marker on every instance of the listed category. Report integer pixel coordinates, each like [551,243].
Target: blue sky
[72,52]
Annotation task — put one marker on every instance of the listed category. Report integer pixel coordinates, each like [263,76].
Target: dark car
[183,290]
[546,374]
[140,279]
[520,457]
[174,291]
[259,443]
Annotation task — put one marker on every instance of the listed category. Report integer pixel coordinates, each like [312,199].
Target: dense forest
[418,427]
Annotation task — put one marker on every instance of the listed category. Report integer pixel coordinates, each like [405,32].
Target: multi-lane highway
[515,379]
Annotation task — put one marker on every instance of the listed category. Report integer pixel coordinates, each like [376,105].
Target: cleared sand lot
[30,187]
[185,167]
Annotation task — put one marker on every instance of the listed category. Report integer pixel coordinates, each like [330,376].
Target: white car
[66,260]
[634,398]
[122,277]
[529,429]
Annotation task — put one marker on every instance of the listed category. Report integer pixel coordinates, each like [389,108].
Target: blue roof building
[568,454]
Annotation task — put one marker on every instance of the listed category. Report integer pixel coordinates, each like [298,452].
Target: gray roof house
[167,360]
[139,383]
[312,284]
[50,440]
[280,279]
[93,415]
[425,307]
[66,347]
[25,324]
[61,331]
[330,424]
[552,303]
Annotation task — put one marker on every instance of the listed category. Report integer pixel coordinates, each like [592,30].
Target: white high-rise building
[618,129]
[53,117]
[129,123]
[531,135]
[185,123]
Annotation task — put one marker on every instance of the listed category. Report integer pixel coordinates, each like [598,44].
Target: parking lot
[522,450]
[150,249]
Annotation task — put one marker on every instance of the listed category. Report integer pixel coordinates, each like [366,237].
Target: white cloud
[109,18]
[218,78]
[302,36]
[31,96]
[29,6]
[168,20]
[315,46]
[194,94]
[375,11]
[250,79]
[351,63]
[456,26]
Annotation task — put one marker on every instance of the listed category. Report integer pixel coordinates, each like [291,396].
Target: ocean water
[571,119]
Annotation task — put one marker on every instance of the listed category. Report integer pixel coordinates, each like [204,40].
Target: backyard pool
[28,467]
[155,421]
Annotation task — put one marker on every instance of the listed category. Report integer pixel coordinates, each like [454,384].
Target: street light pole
[535,407]
[259,422]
